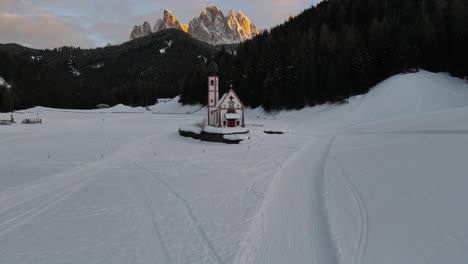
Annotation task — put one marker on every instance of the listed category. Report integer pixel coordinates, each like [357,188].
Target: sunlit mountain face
[212,26]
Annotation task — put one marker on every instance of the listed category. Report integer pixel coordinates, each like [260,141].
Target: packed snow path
[381,179]
[294,197]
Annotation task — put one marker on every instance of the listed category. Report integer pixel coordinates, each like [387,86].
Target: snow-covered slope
[172,106]
[381,179]
[410,94]
[398,97]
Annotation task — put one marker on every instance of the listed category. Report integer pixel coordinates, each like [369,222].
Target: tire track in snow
[363,226]
[292,223]
[193,220]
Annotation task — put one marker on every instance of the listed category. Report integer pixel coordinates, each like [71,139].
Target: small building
[229,111]
[102,106]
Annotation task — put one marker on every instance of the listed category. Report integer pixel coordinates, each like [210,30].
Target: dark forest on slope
[341,48]
[133,73]
[327,53]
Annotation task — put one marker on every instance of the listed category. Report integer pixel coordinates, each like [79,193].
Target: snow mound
[237,137]
[409,94]
[124,108]
[173,106]
[3,83]
[399,97]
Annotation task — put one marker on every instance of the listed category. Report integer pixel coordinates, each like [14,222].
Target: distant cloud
[41,31]
[28,24]
[91,23]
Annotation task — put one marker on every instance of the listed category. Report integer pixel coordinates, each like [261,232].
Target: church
[227,111]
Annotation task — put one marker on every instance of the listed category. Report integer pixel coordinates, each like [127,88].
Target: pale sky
[92,23]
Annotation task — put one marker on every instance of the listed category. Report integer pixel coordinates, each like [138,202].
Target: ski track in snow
[142,199]
[41,205]
[310,239]
[193,219]
[363,226]
[54,189]
[416,132]
[323,210]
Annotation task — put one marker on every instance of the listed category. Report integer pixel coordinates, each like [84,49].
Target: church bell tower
[213,93]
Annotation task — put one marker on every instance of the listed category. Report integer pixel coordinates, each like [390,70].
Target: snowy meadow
[379,179]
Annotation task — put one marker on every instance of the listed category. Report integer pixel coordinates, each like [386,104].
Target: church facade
[229,111]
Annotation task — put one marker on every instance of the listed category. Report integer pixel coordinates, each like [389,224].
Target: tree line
[329,52]
[135,73]
[341,48]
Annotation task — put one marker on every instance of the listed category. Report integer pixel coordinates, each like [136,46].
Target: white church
[227,111]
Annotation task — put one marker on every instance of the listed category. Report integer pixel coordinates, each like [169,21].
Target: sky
[93,23]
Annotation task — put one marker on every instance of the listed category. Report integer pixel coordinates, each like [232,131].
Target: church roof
[221,101]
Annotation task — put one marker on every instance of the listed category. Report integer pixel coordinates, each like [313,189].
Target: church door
[231,123]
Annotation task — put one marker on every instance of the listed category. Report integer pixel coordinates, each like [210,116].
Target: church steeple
[213,68]
[213,91]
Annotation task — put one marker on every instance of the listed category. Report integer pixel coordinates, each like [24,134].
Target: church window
[212,82]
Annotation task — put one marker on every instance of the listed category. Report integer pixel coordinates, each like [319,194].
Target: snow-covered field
[381,179]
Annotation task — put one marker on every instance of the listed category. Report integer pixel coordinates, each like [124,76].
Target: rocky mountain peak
[169,17]
[169,21]
[141,31]
[231,15]
[215,28]
[212,26]
[212,9]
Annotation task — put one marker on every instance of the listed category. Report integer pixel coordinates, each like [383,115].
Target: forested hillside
[327,53]
[134,73]
[341,48]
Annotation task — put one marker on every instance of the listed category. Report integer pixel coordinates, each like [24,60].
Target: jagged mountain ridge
[212,26]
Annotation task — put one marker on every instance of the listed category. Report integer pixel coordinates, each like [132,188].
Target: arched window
[212,82]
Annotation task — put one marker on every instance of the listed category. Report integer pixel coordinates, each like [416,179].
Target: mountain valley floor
[380,179]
